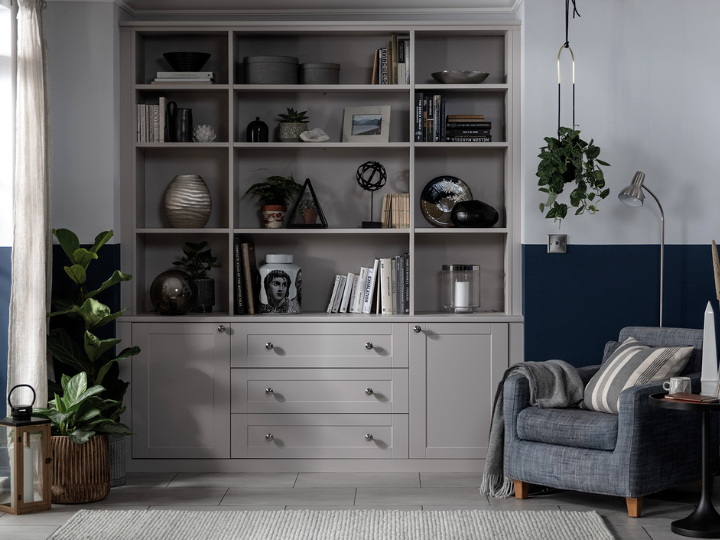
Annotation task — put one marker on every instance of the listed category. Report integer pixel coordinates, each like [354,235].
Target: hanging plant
[567,159]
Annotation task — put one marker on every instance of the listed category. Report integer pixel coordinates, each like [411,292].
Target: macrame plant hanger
[566,45]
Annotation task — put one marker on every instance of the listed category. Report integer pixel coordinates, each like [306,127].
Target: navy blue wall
[5,280]
[574,303]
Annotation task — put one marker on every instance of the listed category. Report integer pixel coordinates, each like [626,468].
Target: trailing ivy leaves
[567,159]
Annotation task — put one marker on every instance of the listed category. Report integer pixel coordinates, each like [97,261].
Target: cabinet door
[181,391]
[454,371]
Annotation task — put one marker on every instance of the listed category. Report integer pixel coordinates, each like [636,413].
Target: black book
[472,125]
[470,138]
[239,284]
[467,131]
[419,100]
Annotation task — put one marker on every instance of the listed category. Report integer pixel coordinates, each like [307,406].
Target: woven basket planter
[81,472]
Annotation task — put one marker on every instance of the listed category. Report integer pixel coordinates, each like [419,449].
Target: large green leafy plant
[86,352]
[567,159]
[80,412]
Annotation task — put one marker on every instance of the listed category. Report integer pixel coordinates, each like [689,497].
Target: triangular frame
[291,224]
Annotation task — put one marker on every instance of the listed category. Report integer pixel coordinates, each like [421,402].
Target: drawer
[321,345]
[319,390]
[319,435]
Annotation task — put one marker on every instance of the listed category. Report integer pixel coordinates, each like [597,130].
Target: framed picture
[366,124]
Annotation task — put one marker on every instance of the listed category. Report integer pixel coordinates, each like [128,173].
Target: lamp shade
[633,195]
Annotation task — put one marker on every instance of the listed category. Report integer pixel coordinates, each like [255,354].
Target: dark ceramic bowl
[186,61]
[459,77]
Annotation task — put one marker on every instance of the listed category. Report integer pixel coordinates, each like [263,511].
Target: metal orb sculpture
[371,176]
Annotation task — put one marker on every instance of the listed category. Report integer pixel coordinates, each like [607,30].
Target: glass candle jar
[461,287]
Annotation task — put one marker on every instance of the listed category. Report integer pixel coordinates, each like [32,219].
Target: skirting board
[306,465]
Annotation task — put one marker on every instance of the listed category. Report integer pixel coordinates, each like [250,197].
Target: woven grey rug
[332,525]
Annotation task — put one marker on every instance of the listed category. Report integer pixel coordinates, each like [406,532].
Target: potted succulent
[75,344]
[567,159]
[80,421]
[274,194]
[308,210]
[293,124]
[198,263]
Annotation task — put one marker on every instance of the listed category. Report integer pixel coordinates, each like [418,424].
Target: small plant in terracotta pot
[293,124]
[308,211]
[274,193]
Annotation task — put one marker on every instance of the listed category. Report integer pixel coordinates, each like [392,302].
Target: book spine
[401,284]
[255,278]
[373,79]
[360,289]
[238,282]
[407,61]
[443,123]
[347,292]
[393,285]
[339,295]
[429,123]
[139,123]
[468,131]
[247,277]
[156,123]
[370,288]
[385,287]
[472,125]
[331,303]
[418,116]
[185,74]
[384,75]
[353,294]
[162,114]
[407,284]
[436,116]
[394,57]
[485,138]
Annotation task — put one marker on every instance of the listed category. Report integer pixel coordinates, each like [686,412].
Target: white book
[185,74]
[194,79]
[339,295]
[346,293]
[370,287]
[357,300]
[385,289]
[334,293]
[353,294]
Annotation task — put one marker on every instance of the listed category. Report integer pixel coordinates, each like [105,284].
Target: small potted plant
[197,262]
[274,193]
[567,159]
[308,210]
[293,124]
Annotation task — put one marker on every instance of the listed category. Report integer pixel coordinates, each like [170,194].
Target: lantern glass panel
[7,481]
[32,466]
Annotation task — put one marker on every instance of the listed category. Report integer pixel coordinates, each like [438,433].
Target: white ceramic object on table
[709,377]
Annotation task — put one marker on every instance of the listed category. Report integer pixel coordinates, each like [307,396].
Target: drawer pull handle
[221,328]
[369,345]
[269,346]
[417,329]
[269,391]
[369,437]
[269,437]
[369,391]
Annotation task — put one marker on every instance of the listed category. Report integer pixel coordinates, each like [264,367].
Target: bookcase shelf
[231,164]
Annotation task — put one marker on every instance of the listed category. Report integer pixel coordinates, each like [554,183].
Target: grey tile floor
[330,491]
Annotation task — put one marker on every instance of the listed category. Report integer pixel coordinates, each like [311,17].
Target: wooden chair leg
[634,506]
[521,489]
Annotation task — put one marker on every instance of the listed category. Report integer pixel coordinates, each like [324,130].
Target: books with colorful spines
[238,281]
[483,138]
[331,303]
[353,294]
[185,75]
[370,288]
[360,290]
[339,295]
[346,293]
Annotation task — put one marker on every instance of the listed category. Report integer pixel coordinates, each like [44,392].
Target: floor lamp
[633,196]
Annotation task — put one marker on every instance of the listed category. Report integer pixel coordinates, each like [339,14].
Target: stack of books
[246,277]
[396,211]
[151,122]
[184,77]
[391,64]
[467,128]
[383,288]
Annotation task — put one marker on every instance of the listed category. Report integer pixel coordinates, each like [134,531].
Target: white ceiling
[338,6]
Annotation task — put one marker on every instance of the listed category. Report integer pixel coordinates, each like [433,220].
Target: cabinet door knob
[269,391]
[417,329]
[369,391]
[369,345]
[269,437]
[221,328]
[369,437]
[269,346]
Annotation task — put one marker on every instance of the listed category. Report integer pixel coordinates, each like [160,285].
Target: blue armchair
[637,452]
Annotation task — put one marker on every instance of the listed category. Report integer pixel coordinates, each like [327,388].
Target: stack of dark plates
[186,61]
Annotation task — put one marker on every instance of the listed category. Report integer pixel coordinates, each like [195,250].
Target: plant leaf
[116,278]
[68,241]
[74,387]
[130,351]
[76,273]
[83,257]
[64,349]
[96,314]
[100,240]
[95,347]
[80,436]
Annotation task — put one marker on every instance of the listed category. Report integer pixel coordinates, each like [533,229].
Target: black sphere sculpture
[371,176]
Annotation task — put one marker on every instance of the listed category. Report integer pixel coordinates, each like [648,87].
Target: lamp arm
[662,247]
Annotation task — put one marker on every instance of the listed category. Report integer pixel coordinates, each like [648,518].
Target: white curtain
[32,208]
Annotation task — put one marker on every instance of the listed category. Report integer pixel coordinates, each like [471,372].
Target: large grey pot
[117,460]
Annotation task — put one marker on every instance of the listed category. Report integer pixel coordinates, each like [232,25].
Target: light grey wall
[647,82]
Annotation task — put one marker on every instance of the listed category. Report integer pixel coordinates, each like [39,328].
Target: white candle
[28,487]
[462,294]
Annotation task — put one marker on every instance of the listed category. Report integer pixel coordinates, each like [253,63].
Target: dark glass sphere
[473,214]
[173,293]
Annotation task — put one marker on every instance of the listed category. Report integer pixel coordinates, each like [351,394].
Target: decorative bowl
[459,77]
[186,61]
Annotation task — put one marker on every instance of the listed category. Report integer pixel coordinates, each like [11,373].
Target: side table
[704,522]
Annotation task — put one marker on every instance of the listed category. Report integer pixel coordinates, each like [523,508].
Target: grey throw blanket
[553,384]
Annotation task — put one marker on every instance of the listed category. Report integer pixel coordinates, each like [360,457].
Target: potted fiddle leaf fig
[293,124]
[274,193]
[568,162]
[197,262]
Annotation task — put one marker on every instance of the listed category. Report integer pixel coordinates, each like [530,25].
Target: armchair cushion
[568,427]
[633,363]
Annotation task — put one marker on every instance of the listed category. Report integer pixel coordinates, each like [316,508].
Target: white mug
[677,385]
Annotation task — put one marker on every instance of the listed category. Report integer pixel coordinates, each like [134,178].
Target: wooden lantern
[25,458]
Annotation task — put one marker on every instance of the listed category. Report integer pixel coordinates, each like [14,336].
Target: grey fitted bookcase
[318,391]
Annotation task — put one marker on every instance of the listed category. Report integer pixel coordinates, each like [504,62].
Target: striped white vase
[187,202]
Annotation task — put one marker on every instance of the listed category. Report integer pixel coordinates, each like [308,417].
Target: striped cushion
[633,363]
